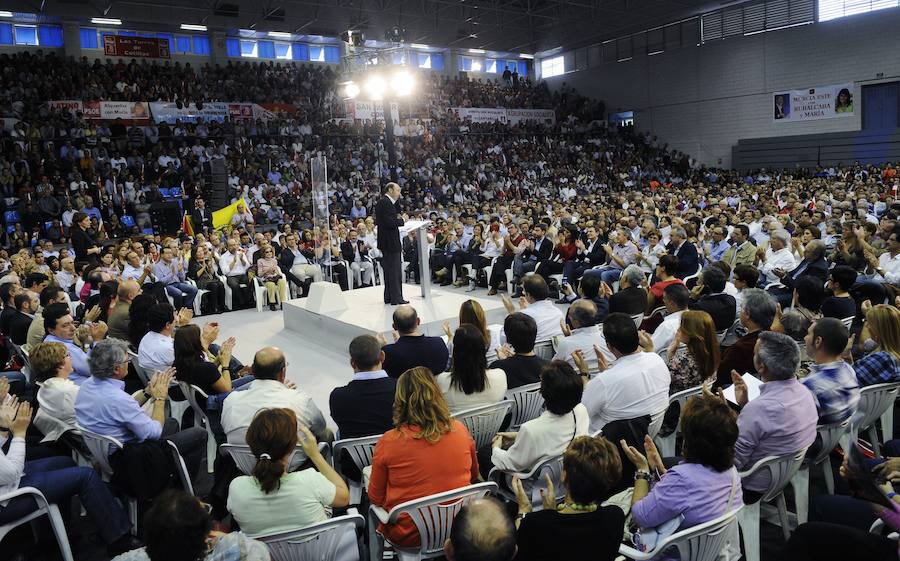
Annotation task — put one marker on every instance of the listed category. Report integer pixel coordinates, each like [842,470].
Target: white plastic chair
[142,374]
[829,435]
[43,507]
[782,469]
[544,350]
[720,335]
[692,277]
[533,481]
[318,542]
[195,397]
[98,446]
[198,301]
[433,516]
[229,294]
[246,461]
[637,319]
[360,451]
[527,404]
[848,322]
[876,402]
[666,444]
[484,422]
[703,542]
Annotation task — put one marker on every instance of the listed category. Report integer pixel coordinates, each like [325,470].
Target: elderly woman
[426,452]
[882,363]
[704,485]
[579,529]
[269,273]
[548,435]
[51,366]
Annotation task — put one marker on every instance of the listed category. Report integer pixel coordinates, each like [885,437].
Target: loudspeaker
[166,217]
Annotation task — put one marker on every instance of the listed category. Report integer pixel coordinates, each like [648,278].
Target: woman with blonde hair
[272,499]
[426,452]
[883,363]
[693,355]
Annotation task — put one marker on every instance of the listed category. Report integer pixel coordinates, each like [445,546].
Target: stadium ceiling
[526,26]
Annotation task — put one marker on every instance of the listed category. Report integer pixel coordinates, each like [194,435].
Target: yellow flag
[222,217]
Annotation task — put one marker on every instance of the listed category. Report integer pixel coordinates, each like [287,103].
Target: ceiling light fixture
[280,35]
[106,21]
[193,27]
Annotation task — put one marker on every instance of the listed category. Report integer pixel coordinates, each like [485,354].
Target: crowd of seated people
[636,275]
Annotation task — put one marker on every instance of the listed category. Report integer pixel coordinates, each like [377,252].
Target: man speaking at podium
[389,243]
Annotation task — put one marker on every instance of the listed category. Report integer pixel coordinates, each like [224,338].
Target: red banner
[143,47]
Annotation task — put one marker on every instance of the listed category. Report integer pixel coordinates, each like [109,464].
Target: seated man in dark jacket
[814,264]
[707,296]
[631,298]
[757,314]
[364,407]
[413,348]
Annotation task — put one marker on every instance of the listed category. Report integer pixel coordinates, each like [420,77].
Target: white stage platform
[367,313]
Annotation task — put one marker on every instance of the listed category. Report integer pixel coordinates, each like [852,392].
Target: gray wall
[702,100]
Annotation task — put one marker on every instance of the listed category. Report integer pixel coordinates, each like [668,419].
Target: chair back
[246,461]
[703,542]
[98,447]
[829,436]
[534,481]
[720,335]
[360,451]
[848,322]
[318,542]
[484,422]
[142,374]
[544,350]
[192,393]
[637,319]
[781,468]
[433,515]
[874,400]
[527,404]
[681,398]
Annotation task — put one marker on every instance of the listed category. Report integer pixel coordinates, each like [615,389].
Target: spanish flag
[187,224]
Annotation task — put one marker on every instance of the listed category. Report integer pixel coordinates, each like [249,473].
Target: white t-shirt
[299,501]
[457,400]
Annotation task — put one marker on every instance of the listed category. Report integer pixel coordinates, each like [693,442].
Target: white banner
[124,110]
[481,114]
[372,110]
[543,116]
[169,112]
[822,102]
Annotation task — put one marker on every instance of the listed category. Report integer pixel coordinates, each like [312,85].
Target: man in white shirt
[584,335]
[234,264]
[535,303]
[676,298]
[777,256]
[637,385]
[157,349]
[888,263]
[269,390]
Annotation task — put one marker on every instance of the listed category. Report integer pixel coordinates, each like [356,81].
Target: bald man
[270,390]
[482,531]
[119,319]
[389,243]
[413,348]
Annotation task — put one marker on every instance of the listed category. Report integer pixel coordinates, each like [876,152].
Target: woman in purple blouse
[704,485]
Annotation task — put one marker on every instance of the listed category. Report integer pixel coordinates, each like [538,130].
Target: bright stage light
[351,90]
[402,83]
[375,87]
[476,66]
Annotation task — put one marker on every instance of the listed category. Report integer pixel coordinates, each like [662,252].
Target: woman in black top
[841,305]
[203,270]
[579,528]
[84,244]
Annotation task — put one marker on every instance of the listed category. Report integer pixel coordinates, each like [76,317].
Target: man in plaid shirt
[832,381]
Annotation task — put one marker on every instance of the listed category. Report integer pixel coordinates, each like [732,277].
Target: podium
[420,226]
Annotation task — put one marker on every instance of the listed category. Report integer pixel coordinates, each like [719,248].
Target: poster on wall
[481,114]
[135,47]
[813,104]
[371,110]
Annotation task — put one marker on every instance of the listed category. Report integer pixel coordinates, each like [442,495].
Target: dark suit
[737,357]
[688,260]
[631,301]
[415,350]
[817,269]
[389,243]
[18,328]
[364,407]
[202,219]
[348,253]
[722,308]
[590,258]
